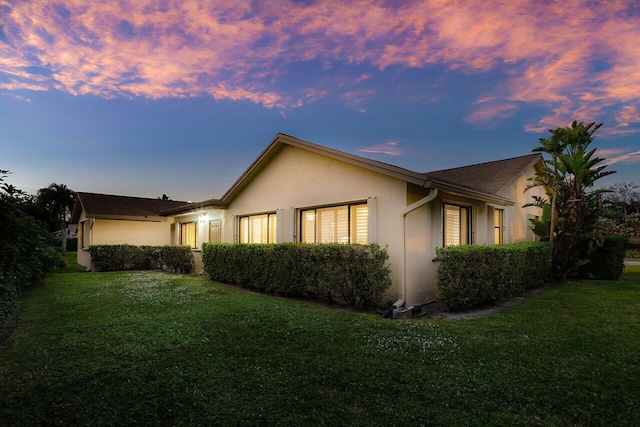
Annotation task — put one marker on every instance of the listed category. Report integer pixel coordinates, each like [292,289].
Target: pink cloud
[572,57]
[389,148]
[619,155]
[356,98]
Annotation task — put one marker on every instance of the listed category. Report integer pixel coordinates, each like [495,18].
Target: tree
[164,197]
[27,249]
[568,175]
[624,196]
[57,200]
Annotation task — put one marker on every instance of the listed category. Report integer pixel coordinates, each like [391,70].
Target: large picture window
[258,228]
[335,224]
[189,234]
[456,225]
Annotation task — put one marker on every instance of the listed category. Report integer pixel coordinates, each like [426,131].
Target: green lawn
[154,348]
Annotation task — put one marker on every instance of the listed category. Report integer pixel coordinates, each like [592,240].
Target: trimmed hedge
[128,257]
[358,274]
[472,275]
[607,261]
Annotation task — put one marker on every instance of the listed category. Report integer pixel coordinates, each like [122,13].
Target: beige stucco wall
[296,179]
[518,226]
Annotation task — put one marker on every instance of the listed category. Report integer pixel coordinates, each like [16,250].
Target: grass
[72,264]
[154,348]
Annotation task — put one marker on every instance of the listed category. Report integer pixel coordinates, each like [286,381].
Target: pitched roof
[482,186]
[489,177]
[125,207]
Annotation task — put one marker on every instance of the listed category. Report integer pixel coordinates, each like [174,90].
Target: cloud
[619,155]
[389,148]
[356,98]
[576,59]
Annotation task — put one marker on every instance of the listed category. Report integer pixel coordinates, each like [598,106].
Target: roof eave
[281,139]
[191,207]
[471,193]
[531,163]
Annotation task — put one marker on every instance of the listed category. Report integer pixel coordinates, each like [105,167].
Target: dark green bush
[357,274]
[27,252]
[176,258]
[474,274]
[607,261]
[129,257]
[72,244]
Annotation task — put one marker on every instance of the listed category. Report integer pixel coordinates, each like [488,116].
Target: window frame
[468,226]
[352,234]
[271,228]
[183,227]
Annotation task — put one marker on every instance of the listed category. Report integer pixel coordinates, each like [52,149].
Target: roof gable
[489,177]
[112,206]
[281,139]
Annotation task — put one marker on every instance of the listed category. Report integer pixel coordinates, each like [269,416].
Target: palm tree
[572,170]
[57,200]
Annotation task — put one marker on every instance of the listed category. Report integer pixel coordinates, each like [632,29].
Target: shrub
[473,275]
[357,274]
[176,258]
[607,261]
[27,252]
[128,257]
[72,244]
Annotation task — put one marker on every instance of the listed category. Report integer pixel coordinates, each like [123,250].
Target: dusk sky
[145,98]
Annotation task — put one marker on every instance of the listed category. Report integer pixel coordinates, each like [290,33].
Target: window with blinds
[258,228]
[189,234]
[456,225]
[335,224]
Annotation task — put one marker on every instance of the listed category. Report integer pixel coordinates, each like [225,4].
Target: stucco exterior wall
[118,232]
[296,179]
[517,225]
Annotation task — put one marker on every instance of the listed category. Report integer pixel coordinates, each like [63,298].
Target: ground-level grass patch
[156,348]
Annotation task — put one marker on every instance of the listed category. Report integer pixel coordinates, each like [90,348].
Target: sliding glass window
[258,228]
[335,224]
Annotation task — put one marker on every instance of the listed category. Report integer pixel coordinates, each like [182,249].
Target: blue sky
[148,98]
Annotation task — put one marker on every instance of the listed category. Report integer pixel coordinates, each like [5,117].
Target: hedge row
[27,252]
[607,262]
[127,257]
[475,274]
[358,274]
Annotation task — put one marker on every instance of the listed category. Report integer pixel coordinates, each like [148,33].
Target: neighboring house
[109,220]
[71,232]
[296,191]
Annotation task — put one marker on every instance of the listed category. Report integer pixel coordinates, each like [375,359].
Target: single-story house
[296,191]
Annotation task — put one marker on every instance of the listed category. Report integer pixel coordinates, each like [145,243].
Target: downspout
[403,275]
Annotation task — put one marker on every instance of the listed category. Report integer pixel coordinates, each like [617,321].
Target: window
[258,228]
[188,234]
[336,224]
[498,226]
[456,224]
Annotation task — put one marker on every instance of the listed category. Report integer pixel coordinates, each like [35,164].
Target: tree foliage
[572,204]
[27,249]
[57,201]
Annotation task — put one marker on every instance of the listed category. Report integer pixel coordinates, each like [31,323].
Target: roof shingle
[490,177]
